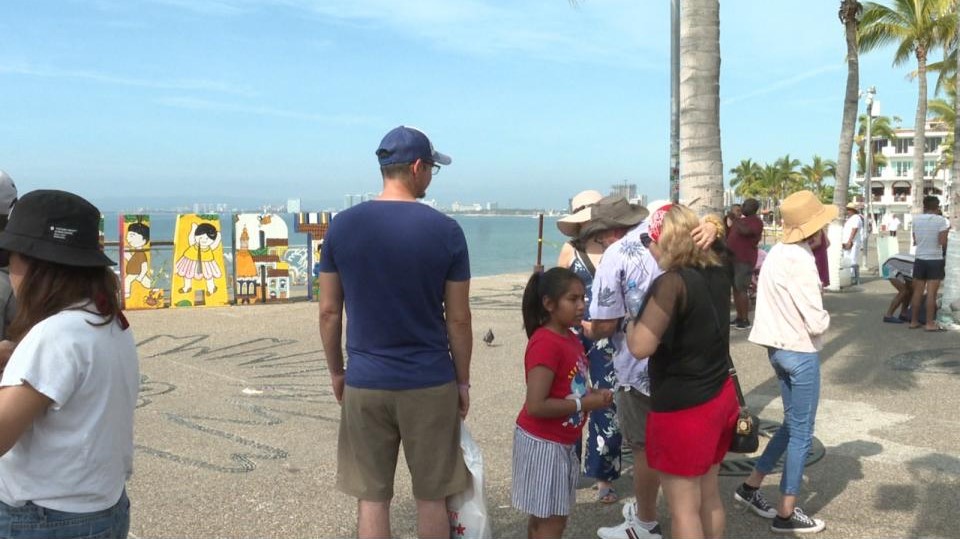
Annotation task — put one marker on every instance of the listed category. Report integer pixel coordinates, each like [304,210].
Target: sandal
[607,495]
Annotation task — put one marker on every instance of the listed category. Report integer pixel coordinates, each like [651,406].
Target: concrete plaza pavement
[236,429]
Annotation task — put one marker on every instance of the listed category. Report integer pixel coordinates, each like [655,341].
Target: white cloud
[191,103]
[785,83]
[107,78]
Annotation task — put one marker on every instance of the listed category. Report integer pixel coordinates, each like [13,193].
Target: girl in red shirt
[545,466]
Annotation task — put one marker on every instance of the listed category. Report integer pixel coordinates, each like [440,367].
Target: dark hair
[395,169]
[142,229]
[553,285]
[48,288]
[208,229]
[750,206]
[930,202]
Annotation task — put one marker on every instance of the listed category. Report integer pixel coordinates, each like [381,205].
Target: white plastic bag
[468,510]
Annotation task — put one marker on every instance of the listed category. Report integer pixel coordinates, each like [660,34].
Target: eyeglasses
[435,168]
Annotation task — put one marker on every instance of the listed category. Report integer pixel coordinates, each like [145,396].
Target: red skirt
[688,442]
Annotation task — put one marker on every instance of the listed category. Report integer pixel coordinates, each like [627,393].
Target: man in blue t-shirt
[401,270]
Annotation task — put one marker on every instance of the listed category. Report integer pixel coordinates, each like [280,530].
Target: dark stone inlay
[934,361]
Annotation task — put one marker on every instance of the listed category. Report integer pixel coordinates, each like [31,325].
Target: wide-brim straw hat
[579,212]
[853,206]
[803,215]
[55,226]
[610,213]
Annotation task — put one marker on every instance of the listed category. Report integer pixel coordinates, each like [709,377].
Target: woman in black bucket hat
[69,389]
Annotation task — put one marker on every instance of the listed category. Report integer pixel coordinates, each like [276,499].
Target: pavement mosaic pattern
[236,426]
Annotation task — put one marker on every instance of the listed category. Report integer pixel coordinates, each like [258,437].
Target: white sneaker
[630,528]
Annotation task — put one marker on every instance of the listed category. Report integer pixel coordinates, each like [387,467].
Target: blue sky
[123,100]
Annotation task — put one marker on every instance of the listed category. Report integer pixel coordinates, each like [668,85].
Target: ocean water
[497,244]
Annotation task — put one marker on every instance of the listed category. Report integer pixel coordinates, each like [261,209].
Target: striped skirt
[545,475]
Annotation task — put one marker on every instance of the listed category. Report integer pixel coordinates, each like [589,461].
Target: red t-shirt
[744,248]
[562,354]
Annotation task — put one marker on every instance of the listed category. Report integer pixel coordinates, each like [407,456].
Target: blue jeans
[799,375]
[34,522]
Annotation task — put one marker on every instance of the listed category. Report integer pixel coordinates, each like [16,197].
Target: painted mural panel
[315,224]
[199,276]
[136,271]
[261,271]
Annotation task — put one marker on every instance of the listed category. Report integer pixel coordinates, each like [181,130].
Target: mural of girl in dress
[197,260]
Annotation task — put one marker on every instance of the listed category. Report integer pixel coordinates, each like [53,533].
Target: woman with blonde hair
[693,401]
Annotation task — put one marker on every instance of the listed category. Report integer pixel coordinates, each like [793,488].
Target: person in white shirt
[929,267]
[69,389]
[893,225]
[852,236]
[790,323]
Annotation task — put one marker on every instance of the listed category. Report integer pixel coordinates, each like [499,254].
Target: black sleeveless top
[688,308]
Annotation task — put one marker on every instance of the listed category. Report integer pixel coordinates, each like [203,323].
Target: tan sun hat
[612,212]
[853,206]
[803,215]
[579,212]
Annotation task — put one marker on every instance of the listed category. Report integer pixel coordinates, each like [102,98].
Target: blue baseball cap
[405,144]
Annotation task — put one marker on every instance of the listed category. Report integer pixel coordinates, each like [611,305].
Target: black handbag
[746,433]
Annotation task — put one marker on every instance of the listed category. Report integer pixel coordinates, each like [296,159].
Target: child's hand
[597,399]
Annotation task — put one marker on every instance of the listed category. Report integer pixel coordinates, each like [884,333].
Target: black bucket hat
[55,226]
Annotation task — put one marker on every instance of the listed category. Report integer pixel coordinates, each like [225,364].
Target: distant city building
[293,205]
[431,202]
[625,190]
[891,185]
[458,207]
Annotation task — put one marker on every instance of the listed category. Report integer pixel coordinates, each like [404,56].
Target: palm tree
[917,27]
[745,176]
[880,127]
[850,11]
[701,161]
[818,170]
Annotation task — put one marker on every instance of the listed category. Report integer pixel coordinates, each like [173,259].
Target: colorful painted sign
[261,271]
[199,276]
[315,225]
[138,276]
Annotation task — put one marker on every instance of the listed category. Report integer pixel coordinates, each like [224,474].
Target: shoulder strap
[585,260]
[732,369]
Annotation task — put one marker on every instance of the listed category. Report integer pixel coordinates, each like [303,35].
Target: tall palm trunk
[848,15]
[920,128]
[951,283]
[701,160]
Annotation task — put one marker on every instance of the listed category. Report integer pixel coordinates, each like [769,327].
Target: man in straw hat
[790,323]
[594,228]
[852,236]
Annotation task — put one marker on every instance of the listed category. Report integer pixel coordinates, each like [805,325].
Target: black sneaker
[798,522]
[743,324]
[754,501]
[734,321]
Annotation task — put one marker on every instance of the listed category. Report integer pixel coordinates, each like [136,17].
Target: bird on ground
[488,337]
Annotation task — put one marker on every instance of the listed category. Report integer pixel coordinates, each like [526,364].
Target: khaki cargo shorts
[373,424]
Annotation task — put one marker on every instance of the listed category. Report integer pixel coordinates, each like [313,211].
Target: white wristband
[579,405]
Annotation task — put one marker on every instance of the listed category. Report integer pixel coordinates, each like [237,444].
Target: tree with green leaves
[816,172]
[880,127]
[916,27]
[745,178]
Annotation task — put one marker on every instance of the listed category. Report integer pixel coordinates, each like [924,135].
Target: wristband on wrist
[579,404]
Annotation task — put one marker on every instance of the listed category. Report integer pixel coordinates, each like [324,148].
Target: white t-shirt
[926,232]
[624,261]
[894,224]
[78,454]
[854,222]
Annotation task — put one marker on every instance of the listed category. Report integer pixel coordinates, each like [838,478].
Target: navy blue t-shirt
[394,259]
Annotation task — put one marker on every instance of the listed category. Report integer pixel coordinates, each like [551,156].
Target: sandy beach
[236,429]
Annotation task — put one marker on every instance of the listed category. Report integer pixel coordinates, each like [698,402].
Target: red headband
[656,222]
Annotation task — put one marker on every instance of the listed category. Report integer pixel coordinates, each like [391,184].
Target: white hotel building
[891,185]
